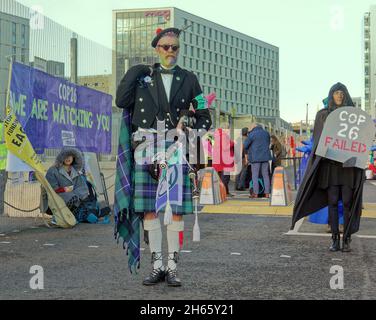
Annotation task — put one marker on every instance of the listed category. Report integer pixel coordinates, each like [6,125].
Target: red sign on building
[161,13]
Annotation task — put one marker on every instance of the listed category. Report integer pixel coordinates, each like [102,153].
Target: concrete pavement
[240,256]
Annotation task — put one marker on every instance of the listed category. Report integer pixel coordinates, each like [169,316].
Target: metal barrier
[21,205]
[22,200]
[292,169]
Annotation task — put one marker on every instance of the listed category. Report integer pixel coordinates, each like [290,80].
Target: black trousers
[336,193]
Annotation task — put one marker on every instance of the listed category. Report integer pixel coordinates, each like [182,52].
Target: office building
[242,70]
[14,44]
[369,35]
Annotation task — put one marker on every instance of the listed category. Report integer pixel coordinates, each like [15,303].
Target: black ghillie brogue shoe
[157,275]
[172,279]
[171,275]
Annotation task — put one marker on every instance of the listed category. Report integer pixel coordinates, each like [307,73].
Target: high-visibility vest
[3,149]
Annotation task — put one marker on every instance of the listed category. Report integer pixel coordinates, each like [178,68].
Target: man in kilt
[152,95]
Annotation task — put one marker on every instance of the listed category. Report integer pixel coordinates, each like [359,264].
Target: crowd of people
[261,154]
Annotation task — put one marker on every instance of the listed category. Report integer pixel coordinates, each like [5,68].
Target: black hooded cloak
[310,197]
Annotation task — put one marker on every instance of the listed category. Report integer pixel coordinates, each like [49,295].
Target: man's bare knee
[176,217]
[150,216]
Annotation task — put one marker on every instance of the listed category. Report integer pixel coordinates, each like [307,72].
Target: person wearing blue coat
[257,146]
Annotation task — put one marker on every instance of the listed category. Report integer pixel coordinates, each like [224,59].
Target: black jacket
[147,99]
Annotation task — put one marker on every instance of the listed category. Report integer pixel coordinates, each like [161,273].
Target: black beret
[161,33]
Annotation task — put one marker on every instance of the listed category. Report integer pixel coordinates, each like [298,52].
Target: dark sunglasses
[167,47]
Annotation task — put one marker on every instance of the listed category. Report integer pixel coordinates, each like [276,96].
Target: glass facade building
[28,36]
[14,44]
[369,37]
[34,39]
[243,71]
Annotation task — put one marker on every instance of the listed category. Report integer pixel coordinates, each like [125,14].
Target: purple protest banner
[56,113]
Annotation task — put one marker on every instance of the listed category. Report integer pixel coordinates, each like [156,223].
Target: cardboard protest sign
[347,137]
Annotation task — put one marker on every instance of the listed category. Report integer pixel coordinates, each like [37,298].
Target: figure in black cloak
[327,181]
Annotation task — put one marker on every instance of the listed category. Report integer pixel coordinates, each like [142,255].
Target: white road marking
[374,183]
[307,234]
[297,227]
[236,254]
[49,245]
[186,251]
[142,249]
[5,242]
[94,247]
[284,256]
[2,235]
[367,237]
[326,235]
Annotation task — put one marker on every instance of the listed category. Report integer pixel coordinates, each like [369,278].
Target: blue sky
[320,41]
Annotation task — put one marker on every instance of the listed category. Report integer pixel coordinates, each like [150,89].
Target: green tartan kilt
[146,189]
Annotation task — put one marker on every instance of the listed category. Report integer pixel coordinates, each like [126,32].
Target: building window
[23,35]
[14,33]
[23,55]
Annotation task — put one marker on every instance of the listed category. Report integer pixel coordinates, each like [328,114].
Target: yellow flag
[63,216]
[19,144]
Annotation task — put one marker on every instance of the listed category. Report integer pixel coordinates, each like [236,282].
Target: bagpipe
[186,123]
[176,155]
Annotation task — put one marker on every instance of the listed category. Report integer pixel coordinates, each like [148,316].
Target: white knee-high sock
[155,241]
[173,231]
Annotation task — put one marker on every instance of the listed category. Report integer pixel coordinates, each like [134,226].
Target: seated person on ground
[68,180]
